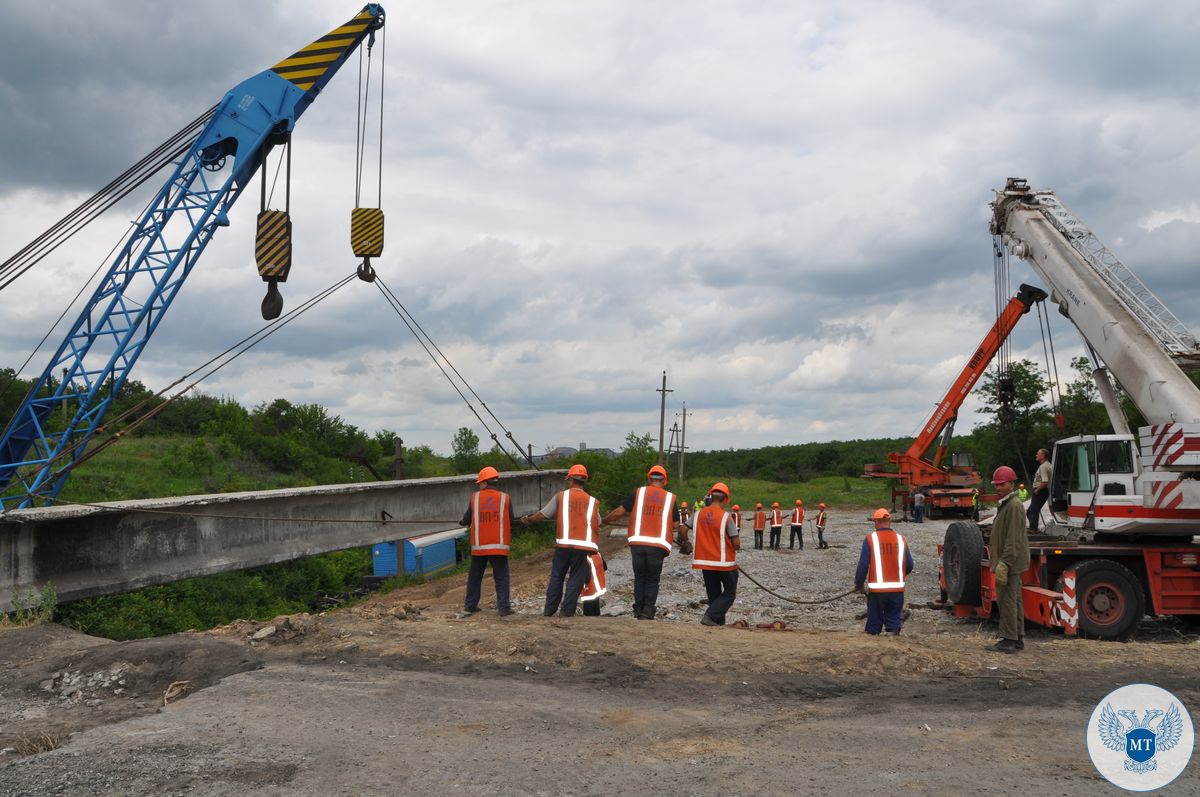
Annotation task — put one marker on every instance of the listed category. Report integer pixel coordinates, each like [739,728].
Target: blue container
[383,557]
[424,555]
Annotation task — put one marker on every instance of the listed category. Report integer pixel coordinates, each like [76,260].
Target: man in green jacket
[1008,553]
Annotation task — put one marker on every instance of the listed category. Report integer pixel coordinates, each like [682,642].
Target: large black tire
[1111,602]
[962,559]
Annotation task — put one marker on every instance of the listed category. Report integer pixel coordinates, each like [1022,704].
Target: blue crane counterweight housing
[95,359]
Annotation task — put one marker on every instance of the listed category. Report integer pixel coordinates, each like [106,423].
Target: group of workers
[795,519]
[577,571]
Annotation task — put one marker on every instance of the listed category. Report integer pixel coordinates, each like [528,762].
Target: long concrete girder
[87,550]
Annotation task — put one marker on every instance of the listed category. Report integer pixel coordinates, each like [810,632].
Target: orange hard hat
[735,506]
[577,472]
[659,471]
[774,504]
[822,506]
[684,504]
[758,506]
[487,474]
[881,514]
[799,502]
[1004,474]
[720,487]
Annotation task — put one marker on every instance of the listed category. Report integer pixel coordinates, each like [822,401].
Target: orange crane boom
[950,487]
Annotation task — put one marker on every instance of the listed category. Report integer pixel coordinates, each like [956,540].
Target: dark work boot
[1007,646]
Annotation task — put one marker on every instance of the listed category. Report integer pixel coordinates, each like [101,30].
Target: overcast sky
[782,204]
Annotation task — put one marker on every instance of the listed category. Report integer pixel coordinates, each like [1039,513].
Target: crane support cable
[231,354]
[104,199]
[483,403]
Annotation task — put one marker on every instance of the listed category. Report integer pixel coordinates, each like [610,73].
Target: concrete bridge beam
[87,550]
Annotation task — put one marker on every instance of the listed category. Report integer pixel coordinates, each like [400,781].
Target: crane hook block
[273,245]
[366,232]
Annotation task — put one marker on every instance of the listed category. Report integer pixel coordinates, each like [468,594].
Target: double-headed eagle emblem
[1138,742]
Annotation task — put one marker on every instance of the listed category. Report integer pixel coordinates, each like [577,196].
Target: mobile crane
[114,327]
[1130,505]
[950,486]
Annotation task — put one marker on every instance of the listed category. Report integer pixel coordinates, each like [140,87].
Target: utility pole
[662,416]
[682,440]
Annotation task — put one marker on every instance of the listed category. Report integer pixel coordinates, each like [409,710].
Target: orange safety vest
[798,516]
[491,530]
[737,520]
[650,524]
[713,549]
[776,517]
[821,519]
[578,520]
[597,582]
[886,570]
[760,520]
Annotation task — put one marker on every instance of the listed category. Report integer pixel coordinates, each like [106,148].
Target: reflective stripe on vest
[490,530]
[880,582]
[710,554]
[760,521]
[640,531]
[821,519]
[587,542]
[797,515]
[597,583]
[776,517]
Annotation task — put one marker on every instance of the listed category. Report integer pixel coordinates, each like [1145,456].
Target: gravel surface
[808,574]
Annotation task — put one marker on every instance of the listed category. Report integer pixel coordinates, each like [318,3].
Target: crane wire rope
[104,199]
[232,353]
[1052,382]
[362,108]
[407,316]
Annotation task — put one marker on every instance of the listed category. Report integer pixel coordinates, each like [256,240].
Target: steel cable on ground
[483,403]
[405,317]
[104,199]
[767,589]
[237,350]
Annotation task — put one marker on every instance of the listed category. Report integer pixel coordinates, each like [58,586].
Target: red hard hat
[720,487]
[487,474]
[577,472]
[658,470]
[1004,474]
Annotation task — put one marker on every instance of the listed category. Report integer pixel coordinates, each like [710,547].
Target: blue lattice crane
[95,359]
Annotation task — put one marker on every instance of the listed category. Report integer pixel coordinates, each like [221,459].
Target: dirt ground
[405,693]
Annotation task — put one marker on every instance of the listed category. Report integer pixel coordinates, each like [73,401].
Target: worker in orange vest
[684,514]
[737,518]
[489,516]
[760,525]
[776,525]
[822,519]
[797,525]
[653,524]
[884,562]
[578,518]
[715,554]
[595,586]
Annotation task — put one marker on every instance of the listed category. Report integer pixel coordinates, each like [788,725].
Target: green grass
[836,491]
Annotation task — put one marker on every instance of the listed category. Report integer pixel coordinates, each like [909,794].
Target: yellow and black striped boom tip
[308,66]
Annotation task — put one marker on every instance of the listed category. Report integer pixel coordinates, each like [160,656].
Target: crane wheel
[962,560]
[1111,601]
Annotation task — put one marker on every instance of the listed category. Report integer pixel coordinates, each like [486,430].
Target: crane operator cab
[1099,485]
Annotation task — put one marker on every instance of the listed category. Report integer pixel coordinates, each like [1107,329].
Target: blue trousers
[475,581]
[883,612]
[568,573]
[919,514]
